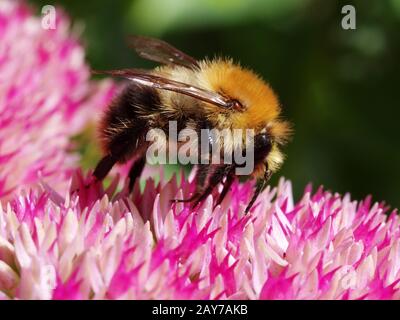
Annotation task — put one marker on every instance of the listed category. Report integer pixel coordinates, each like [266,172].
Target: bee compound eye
[262,143]
[236,105]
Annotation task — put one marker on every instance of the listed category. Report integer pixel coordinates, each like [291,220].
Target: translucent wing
[145,78]
[160,51]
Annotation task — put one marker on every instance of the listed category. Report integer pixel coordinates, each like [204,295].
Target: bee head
[254,106]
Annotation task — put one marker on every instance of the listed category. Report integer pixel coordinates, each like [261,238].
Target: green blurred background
[339,87]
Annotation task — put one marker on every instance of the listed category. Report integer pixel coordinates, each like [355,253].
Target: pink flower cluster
[45,98]
[94,244]
[68,238]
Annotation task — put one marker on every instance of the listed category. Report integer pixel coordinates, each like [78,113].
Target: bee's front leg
[230,177]
[207,178]
[260,186]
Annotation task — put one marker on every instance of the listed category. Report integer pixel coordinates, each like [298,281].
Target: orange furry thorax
[259,101]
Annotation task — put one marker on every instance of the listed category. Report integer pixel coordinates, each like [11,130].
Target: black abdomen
[125,122]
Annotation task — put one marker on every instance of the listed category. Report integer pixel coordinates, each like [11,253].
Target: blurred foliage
[338,87]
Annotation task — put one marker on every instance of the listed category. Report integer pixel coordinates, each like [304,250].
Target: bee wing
[160,51]
[145,78]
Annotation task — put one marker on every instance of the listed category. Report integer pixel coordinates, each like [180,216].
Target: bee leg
[203,171]
[201,176]
[104,166]
[227,185]
[192,198]
[260,186]
[215,178]
[135,172]
[201,179]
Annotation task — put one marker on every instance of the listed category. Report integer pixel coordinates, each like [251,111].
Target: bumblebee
[197,94]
